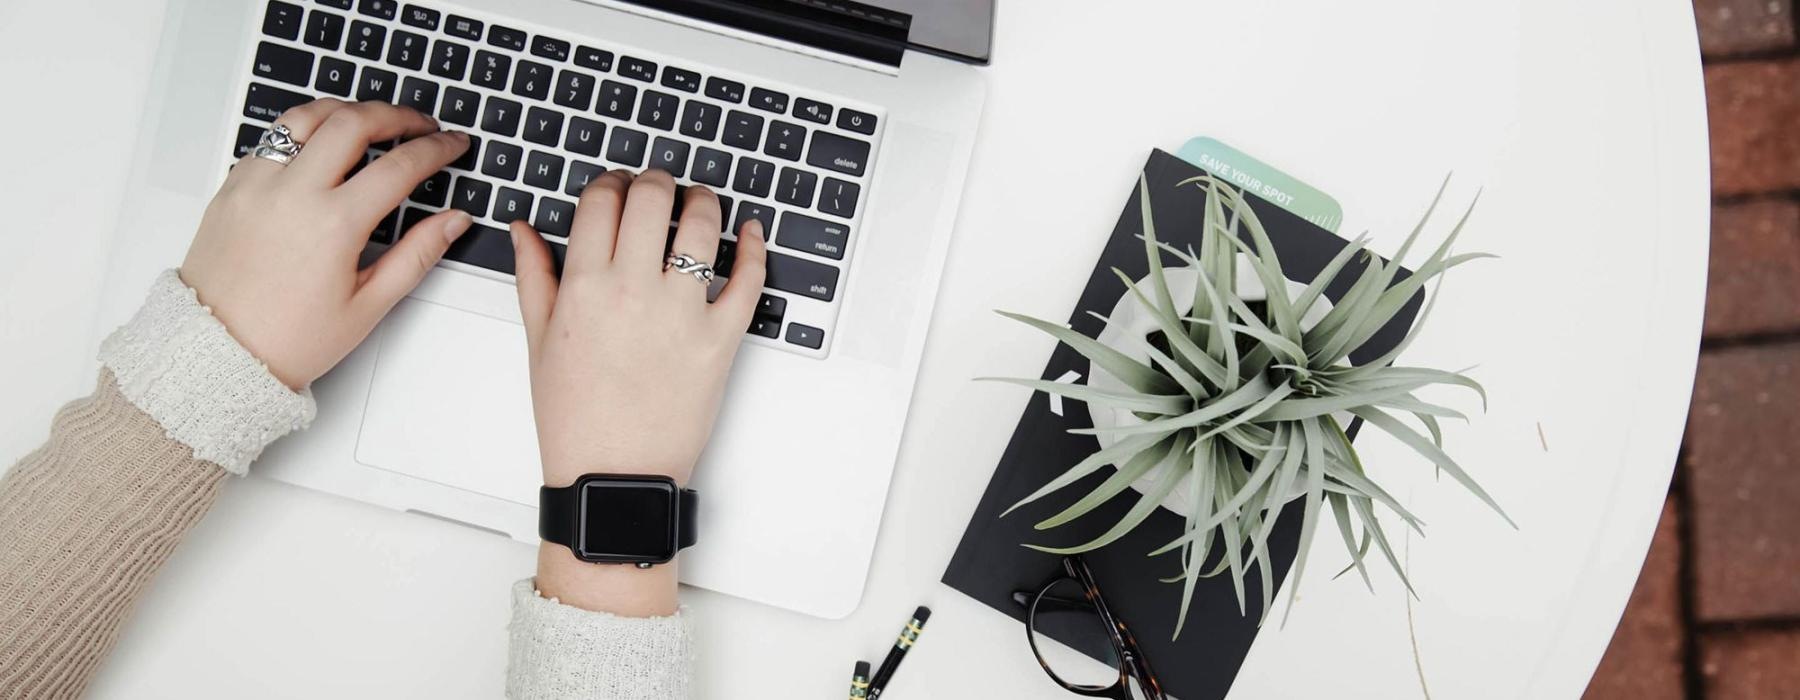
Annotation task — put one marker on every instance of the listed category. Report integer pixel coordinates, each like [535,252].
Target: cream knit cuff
[561,651]
[176,362]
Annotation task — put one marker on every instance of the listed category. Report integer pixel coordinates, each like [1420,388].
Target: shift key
[816,236]
[804,277]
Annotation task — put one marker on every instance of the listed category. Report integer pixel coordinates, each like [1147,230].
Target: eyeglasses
[1069,607]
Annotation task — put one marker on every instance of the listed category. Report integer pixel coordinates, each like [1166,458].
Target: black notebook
[990,563]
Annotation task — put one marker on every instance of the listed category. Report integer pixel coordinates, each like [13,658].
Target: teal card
[1258,178]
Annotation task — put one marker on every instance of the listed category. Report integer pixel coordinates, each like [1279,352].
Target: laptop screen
[956,28]
[877,30]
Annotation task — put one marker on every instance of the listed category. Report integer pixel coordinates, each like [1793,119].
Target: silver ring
[687,264]
[277,144]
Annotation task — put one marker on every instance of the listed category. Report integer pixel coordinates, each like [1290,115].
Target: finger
[596,223]
[737,301]
[377,189]
[301,122]
[644,227]
[536,272]
[341,140]
[698,233]
[401,268]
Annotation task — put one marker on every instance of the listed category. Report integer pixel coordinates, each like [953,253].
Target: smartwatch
[619,518]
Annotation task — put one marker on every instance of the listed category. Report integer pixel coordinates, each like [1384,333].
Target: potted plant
[1222,391]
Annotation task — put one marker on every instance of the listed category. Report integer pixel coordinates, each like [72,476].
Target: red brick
[1754,108]
[1753,284]
[1644,660]
[1730,27]
[1743,476]
[1751,664]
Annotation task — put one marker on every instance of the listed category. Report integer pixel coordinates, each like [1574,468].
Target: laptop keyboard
[548,113]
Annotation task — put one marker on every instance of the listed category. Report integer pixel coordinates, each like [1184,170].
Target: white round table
[1584,122]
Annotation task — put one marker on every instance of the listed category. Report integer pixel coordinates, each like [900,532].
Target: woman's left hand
[277,251]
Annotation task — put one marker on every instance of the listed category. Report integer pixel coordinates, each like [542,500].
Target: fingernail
[754,228]
[458,224]
[513,233]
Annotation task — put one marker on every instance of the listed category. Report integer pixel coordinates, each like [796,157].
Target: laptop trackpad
[451,403]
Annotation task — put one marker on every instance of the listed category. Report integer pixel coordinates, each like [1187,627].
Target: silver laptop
[846,128]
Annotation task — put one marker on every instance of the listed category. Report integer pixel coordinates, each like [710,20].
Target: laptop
[845,127]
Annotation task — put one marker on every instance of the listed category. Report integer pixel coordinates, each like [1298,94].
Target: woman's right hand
[628,360]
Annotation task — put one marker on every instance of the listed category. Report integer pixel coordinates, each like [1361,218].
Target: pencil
[908,637]
[859,681]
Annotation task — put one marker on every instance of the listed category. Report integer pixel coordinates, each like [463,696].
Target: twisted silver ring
[277,144]
[687,264]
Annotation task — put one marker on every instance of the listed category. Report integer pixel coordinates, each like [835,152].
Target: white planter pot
[1129,318]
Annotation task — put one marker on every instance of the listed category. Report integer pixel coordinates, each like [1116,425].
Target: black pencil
[859,681]
[908,637]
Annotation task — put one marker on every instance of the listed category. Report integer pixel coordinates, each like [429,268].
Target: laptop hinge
[853,30]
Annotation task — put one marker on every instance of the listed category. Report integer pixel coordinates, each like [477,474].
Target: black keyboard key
[502,160]
[247,137]
[511,205]
[751,210]
[419,94]
[532,79]
[581,173]
[339,4]
[506,38]
[267,103]
[282,20]
[449,59]
[291,66]
[593,59]
[616,99]
[543,170]
[805,336]
[574,90]
[804,277]
[553,49]
[420,17]
[376,85]
[840,153]
[336,76]
[700,120]
[554,216]
[859,122]
[471,195]
[754,177]
[724,212]
[484,246]
[726,90]
[460,106]
[584,136]
[406,50]
[670,156]
[366,40]
[658,110]
[384,9]
[627,147]
[501,116]
[727,255]
[681,79]
[491,70]
[434,191]
[838,198]
[467,160]
[795,187]
[743,130]
[771,306]
[543,126]
[769,100]
[812,110]
[765,327]
[816,236]
[463,27]
[785,140]
[387,230]
[324,30]
[637,68]
[711,167]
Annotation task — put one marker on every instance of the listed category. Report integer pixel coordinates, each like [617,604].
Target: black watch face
[627,520]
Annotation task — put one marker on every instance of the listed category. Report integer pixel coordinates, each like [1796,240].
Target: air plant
[1245,409]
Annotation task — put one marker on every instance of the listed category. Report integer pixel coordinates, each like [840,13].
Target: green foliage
[1247,402]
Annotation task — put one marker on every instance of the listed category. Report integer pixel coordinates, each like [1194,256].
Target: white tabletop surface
[1584,122]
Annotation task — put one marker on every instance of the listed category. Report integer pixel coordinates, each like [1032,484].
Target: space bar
[484,246]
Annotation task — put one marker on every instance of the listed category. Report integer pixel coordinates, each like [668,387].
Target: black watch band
[560,518]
